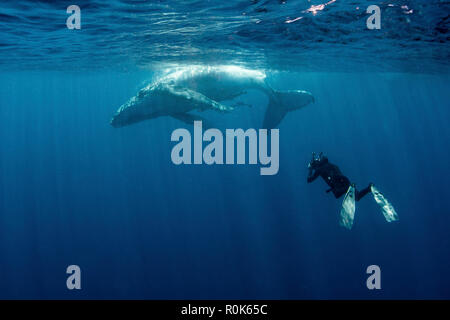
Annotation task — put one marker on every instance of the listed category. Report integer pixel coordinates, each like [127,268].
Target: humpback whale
[205,88]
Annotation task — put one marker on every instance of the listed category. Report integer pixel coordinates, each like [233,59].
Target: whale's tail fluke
[281,102]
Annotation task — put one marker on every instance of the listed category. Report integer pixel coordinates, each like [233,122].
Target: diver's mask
[316,159]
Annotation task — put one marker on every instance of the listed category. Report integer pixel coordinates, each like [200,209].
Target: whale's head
[145,105]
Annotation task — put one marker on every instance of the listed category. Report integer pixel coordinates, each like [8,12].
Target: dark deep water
[74,190]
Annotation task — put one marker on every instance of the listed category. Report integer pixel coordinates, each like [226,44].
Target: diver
[330,173]
[340,185]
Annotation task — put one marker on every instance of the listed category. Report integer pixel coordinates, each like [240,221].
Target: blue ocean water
[74,190]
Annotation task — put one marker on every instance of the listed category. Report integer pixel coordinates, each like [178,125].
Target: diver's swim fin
[348,208]
[388,210]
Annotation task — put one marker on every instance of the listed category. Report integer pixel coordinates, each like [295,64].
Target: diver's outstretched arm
[312,175]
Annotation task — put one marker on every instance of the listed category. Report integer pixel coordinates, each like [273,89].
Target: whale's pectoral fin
[281,102]
[200,101]
[190,118]
[220,107]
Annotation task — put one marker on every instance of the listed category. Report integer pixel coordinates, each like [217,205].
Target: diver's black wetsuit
[334,178]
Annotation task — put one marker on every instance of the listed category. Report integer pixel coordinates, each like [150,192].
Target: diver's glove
[313,158]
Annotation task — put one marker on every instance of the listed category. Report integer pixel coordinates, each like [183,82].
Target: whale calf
[204,88]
